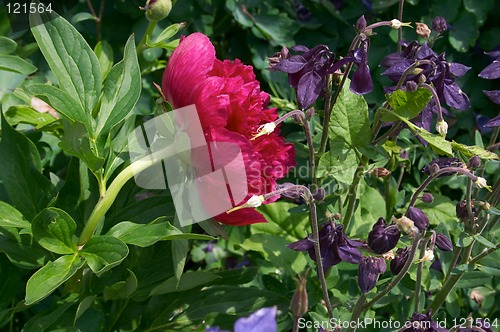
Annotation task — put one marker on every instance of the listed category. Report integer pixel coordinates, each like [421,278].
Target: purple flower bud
[360,24]
[443,243]
[479,322]
[403,154]
[300,302]
[427,198]
[439,24]
[474,162]
[461,210]
[369,270]
[494,96]
[319,194]
[399,261]
[436,265]
[411,86]
[418,217]
[310,113]
[442,163]
[383,238]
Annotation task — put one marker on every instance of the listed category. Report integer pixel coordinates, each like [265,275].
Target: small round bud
[423,30]
[474,162]
[319,194]
[157,10]
[381,172]
[411,86]
[422,79]
[476,296]
[434,168]
[427,198]
[310,113]
[439,24]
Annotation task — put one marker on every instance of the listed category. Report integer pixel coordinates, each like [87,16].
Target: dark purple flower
[493,95]
[369,270]
[422,323]
[383,238]
[439,24]
[479,322]
[436,265]
[306,71]
[435,69]
[334,246]
[443,243]
[418,217]
[399,261]
[361,82]
[441,163]
[495,122]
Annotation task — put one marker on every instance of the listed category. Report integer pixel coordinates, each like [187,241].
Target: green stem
[418,281]
[352,194]
[109,196]
[148,33]
[356,312]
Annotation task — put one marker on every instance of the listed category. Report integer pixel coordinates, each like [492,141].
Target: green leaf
[104,53]
[341,165]
[472,150]
[484,241]
[102,252]
[10,217]
[7,45]
[180,250]
[121,91]
[62,102]
[473,279]
[76,142]
[16,64]
[25,114]
[438,144]
[43,321]
[479,8]
[70,58]
[464,32]
[20,249]
[122,289]
[464,240]
[80,17]
[278,27]
[349,125]
[167,33]
[407,104]
[144,235]
[54,229]
[51,276]
[28,189]
[291,226]
[188,280]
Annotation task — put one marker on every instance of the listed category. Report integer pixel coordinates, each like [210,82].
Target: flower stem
[400,18]
[109,196]
[148,33]
[356,312]
[418,281]
[352,194]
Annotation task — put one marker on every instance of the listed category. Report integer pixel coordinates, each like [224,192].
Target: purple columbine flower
[334,246]
[399,261]
[492,71]
[361,82]
[423,323]
[479,322]
[369,270]
[262,320]
[418,217]
[433,69]
[383,238]
[439,24]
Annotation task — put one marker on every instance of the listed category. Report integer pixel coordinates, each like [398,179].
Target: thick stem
[356,312]
[109,196]
[148,33]
[400,18]
[352,193]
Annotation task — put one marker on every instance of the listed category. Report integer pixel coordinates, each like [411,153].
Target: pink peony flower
[230,107]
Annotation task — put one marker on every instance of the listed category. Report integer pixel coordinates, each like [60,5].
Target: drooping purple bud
[411,86]
[369,270]
[439,24]
[427,198]
[491,71]
[383,238]
[442,163]
[474,162]
[419,218]
[399,261]
[319,194]
[300,302]
[443,243]
[494,96]
[360,24]
[403,154]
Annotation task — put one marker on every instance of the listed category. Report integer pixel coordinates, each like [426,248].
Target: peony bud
[461,210]
[418,217]
[157,10]
[423,30]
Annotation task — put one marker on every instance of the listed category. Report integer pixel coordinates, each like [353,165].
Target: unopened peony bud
[442,128]
[157,10]
[423,30]
[310,113]
[422,79]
